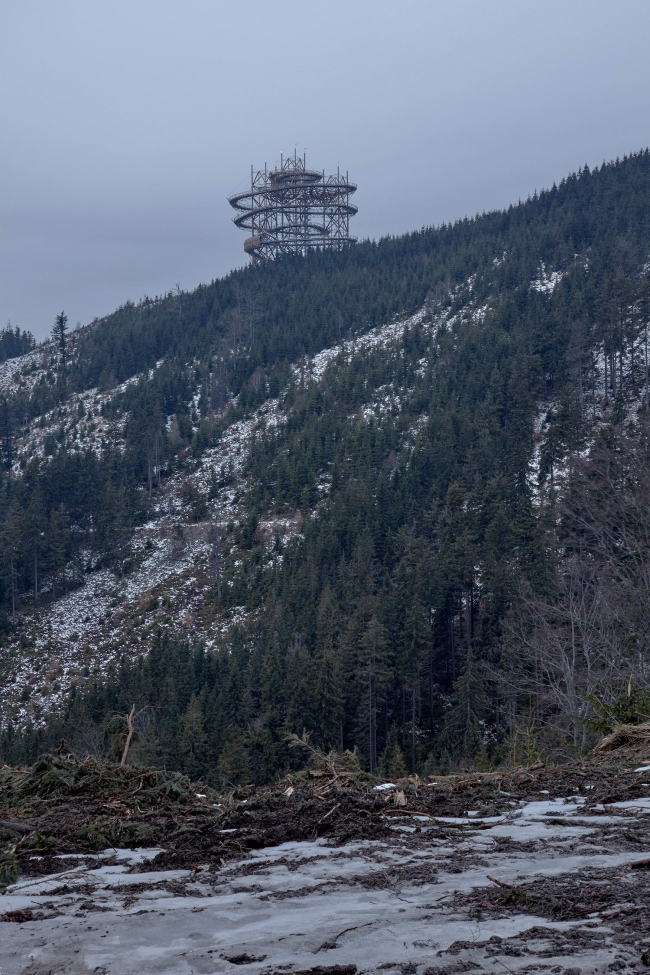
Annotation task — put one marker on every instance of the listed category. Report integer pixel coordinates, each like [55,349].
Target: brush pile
[62,806]
[634,735]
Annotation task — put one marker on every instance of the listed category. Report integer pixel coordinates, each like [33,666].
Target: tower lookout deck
[293,209]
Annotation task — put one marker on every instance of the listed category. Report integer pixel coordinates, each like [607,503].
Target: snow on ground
[80,634]
[547,281]
[402,904]
[79,422]
[598,407]
[25,371]
[540,425]
[378,337]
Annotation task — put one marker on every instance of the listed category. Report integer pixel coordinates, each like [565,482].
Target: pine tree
[462,729]
[10,546]
[234,761]
[56,545]
[374,675]
[36,535]
[415,642]
[393,760]
[327,672]
[329,696]
[59,330]
[192,739]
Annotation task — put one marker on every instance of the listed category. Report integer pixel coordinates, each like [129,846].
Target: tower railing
[292,209]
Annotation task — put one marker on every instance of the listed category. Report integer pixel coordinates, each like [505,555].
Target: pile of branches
[604,891]
[62,805]
[624,735]
[54,777]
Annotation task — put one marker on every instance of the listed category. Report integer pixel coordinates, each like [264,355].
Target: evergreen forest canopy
[13,342]
[454,595]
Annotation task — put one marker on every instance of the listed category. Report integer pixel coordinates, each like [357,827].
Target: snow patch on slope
[547,281]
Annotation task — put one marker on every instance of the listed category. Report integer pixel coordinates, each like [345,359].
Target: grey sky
[126,123]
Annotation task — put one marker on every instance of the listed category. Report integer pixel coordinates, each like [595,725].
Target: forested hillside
[395,497]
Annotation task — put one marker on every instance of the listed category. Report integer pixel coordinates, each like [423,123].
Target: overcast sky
[126,124]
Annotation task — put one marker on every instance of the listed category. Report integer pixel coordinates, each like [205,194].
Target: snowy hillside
[78,635]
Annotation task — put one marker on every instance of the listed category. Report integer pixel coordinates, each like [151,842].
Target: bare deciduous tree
[588,633]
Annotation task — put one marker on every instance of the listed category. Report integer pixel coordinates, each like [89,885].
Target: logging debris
[63,806]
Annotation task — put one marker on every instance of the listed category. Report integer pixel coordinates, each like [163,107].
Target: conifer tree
[374,674]
[59,330]
[234,761]
[7,430]
[36,535]
[56,541]
[10,545]
[462,730]
[192,739]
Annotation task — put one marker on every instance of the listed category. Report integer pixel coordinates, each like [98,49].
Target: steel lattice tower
[294,209]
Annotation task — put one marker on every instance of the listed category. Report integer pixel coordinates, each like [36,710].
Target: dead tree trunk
[130,729]
[129,734]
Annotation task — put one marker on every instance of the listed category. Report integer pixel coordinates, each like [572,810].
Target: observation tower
[293,209]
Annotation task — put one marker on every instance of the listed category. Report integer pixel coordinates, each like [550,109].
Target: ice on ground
[395,904]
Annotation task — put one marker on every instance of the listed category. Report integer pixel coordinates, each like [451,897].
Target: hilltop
[343,493]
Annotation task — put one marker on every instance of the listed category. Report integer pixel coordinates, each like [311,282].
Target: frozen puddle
[406,904]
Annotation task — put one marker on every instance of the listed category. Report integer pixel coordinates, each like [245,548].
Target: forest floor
[111,869]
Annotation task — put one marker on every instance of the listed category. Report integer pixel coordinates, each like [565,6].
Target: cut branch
[16,827]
